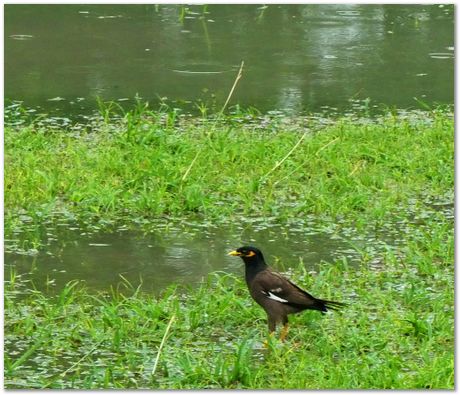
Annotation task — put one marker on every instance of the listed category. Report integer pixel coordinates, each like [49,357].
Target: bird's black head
[248,254]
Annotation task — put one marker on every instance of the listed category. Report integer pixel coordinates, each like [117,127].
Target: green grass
[135,167]
[381,174]
[397,331]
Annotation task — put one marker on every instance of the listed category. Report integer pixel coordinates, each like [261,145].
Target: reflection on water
[167,254]
[185,251]
[297,57]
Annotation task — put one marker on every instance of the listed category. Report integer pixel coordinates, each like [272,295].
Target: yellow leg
[270,334]
[284,332]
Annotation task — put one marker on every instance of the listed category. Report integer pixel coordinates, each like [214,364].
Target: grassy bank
[394,172]
[150,164]
[396,333]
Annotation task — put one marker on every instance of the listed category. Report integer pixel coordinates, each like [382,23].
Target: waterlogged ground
[169,252]
[160,253]
[356,210]
[397,331]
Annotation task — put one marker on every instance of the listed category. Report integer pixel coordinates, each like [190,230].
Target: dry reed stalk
[278,164]
[162,343]
[238,76]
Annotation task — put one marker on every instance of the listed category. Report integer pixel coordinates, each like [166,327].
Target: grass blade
[162,343]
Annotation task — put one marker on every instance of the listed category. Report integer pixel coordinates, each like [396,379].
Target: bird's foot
[284,332]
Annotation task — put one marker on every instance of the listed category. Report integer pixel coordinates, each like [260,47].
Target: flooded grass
[151,164]
[397,331]
[388,178]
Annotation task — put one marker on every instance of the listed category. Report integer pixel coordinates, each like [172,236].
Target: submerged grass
[397,331]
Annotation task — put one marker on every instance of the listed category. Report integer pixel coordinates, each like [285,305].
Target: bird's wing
[276,287]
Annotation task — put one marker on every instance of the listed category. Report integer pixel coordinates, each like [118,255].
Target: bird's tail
[326,305]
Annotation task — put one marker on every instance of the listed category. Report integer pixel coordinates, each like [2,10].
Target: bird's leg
[269,339]
[284,332]
[271,330]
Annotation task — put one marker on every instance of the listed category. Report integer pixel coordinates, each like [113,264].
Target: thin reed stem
[278,164]
[238,76]
[162,343]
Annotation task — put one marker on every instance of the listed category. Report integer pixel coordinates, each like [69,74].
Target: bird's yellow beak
[234,253]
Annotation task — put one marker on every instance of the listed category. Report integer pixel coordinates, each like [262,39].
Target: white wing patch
[272,296]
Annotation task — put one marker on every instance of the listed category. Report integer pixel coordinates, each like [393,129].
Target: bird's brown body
[278,296]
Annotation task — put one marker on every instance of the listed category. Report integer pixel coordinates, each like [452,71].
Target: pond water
[167,253]
[157,253]
[59,58]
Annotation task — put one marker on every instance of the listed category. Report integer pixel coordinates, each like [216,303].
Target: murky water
[297,57]
[183,251]
[168,254]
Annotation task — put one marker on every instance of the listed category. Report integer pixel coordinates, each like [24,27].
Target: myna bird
[276,294]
